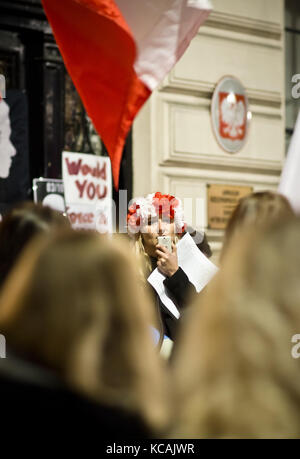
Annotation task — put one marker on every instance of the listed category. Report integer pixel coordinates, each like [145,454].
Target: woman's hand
[167,262]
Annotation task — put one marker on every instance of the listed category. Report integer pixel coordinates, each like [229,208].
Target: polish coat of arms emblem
[230,114]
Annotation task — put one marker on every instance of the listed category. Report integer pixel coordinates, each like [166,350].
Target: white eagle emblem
[232,117]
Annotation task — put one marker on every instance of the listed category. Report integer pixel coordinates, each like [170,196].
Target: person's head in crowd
[19,226]
[72,304]
[234,370]
[261,208]
[7,150]
[159,215]
[155,215]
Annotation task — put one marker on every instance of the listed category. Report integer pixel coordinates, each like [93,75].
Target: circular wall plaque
[230,114]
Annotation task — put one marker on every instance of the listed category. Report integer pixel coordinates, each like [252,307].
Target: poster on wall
[88,191]
[230,114]
[14,163]
[49,192]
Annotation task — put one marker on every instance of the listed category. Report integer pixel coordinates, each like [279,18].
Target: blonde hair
[143,258]
[234,372]
[73,304]
[262,209]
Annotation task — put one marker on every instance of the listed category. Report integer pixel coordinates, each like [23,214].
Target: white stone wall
[174,148]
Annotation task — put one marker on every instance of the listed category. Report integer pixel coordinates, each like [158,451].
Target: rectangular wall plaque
[221,201]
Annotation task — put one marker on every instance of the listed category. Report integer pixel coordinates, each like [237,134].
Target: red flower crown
[165,205]
[156,205]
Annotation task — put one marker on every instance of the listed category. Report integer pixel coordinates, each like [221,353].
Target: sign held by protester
[88,190]
[50,192]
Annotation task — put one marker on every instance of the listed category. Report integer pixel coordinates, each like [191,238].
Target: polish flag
[118,51]
[290,178]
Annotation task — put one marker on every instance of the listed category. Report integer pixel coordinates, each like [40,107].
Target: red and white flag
[290,178]
[118,51]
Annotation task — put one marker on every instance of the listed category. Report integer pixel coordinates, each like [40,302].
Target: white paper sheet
[156,279]
[198,268]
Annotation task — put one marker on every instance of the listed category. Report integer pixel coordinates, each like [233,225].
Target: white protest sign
[50,192]
[88,190]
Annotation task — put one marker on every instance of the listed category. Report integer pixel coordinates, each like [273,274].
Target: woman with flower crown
[161,215]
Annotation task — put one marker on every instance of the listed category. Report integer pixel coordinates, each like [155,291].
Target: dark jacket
[180,290]
[35,404]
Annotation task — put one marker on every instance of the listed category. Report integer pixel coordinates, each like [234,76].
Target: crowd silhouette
[78,319]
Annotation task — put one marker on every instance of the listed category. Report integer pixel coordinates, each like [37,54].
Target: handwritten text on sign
[87,183]
[86,177]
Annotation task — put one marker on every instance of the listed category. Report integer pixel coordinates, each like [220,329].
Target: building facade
[174,147]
